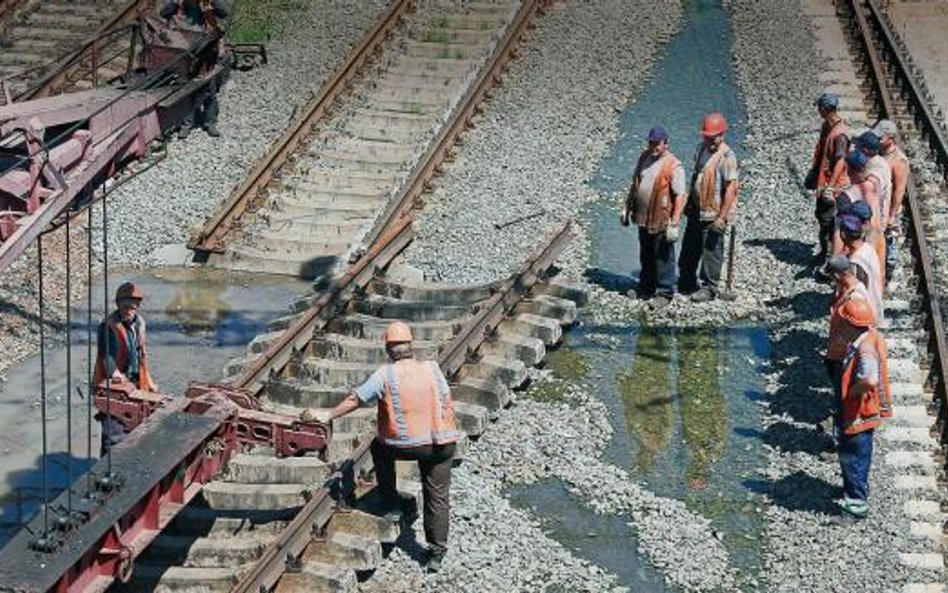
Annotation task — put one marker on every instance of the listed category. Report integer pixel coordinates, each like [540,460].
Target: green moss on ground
[259,21]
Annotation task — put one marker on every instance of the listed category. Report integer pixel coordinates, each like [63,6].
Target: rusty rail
[872,27]
[325,307]
[210,239]
[439,151]
[318,511]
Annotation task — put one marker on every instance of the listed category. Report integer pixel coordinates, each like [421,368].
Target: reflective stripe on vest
[412,411]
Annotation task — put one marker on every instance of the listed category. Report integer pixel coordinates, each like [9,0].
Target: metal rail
[316,514]
[325,308]
[211,236]
[872,29]
[439,151]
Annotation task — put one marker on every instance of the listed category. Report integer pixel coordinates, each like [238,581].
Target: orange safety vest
[823,154]
[709,200]
[864,412]
[660,205]
[414,410]
[838,342]
[121,357]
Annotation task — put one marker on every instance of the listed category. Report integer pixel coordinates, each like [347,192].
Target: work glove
[719,225]
[672,233]
[318,415]
[624,216]
[826,193]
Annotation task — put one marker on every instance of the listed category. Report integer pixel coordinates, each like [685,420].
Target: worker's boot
[184,131]
[212,130]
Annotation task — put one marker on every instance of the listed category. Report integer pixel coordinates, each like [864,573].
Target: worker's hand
[672,233]
[624,216]
[318,415]
[118,377]
[719,225]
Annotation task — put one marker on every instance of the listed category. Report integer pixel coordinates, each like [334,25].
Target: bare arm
[730,199]
[679,202]
[900,173]
[345,406]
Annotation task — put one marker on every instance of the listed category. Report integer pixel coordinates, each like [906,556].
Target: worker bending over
[415,422]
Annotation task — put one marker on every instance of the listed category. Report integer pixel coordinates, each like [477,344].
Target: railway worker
[198,14]
[121,356]
[415,422]
[864,400]
[655,203]
[848,287]
[712,205]
[899,166]
[864,193]
[864,258]
[827,175]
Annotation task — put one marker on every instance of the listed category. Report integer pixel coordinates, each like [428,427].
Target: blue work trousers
[855,458]
[657,258]
[891,254]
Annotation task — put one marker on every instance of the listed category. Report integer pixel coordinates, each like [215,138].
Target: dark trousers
[701,245]
[434,461]
[891,253]
[206,109]
[657,258]
[855,458]
[826,216]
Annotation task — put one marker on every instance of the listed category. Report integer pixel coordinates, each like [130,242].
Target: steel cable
[42,349]
[68,373]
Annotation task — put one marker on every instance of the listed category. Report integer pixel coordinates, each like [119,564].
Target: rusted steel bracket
[211,237]
[287,435]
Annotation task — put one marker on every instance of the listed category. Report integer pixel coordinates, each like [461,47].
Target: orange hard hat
[857,312]
[713,124]
[129,290]
[397,331]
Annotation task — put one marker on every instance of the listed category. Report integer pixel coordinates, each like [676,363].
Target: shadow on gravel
[610,280]
[804,393]
[799,492]
[790,438]
[790,251]
[805,304]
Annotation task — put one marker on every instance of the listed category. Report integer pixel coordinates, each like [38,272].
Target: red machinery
[54,150]
[159,467]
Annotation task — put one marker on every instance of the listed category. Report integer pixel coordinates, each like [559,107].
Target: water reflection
[704,417]
[650,400]
[648,397]
[198,306]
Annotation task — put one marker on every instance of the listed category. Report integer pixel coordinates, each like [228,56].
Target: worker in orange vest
[827,175]
[712,205]
[865,260]
[415,422]
[899,166]
[654,204]
[121,356]
[864,400]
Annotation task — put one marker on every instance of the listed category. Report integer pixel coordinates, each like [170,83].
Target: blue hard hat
[857,160]
[869,141]
[827,101]
[657,134]
[850,225]
[861,210]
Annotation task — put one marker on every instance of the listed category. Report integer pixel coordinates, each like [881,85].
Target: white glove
[624,216]
[318,415]
[672,232]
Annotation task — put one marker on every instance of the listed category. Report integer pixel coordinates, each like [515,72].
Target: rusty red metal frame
[211,237]
[923,259]
[439,151]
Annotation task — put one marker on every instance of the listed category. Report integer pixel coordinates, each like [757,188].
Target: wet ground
[196,321]
[682,402]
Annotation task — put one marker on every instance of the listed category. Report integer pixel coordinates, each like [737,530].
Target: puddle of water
[197,321]
[694,76]
[606,540]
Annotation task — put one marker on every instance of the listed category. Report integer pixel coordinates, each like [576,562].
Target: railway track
[367,147]
[59,46]
[918,353]
[264,510]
